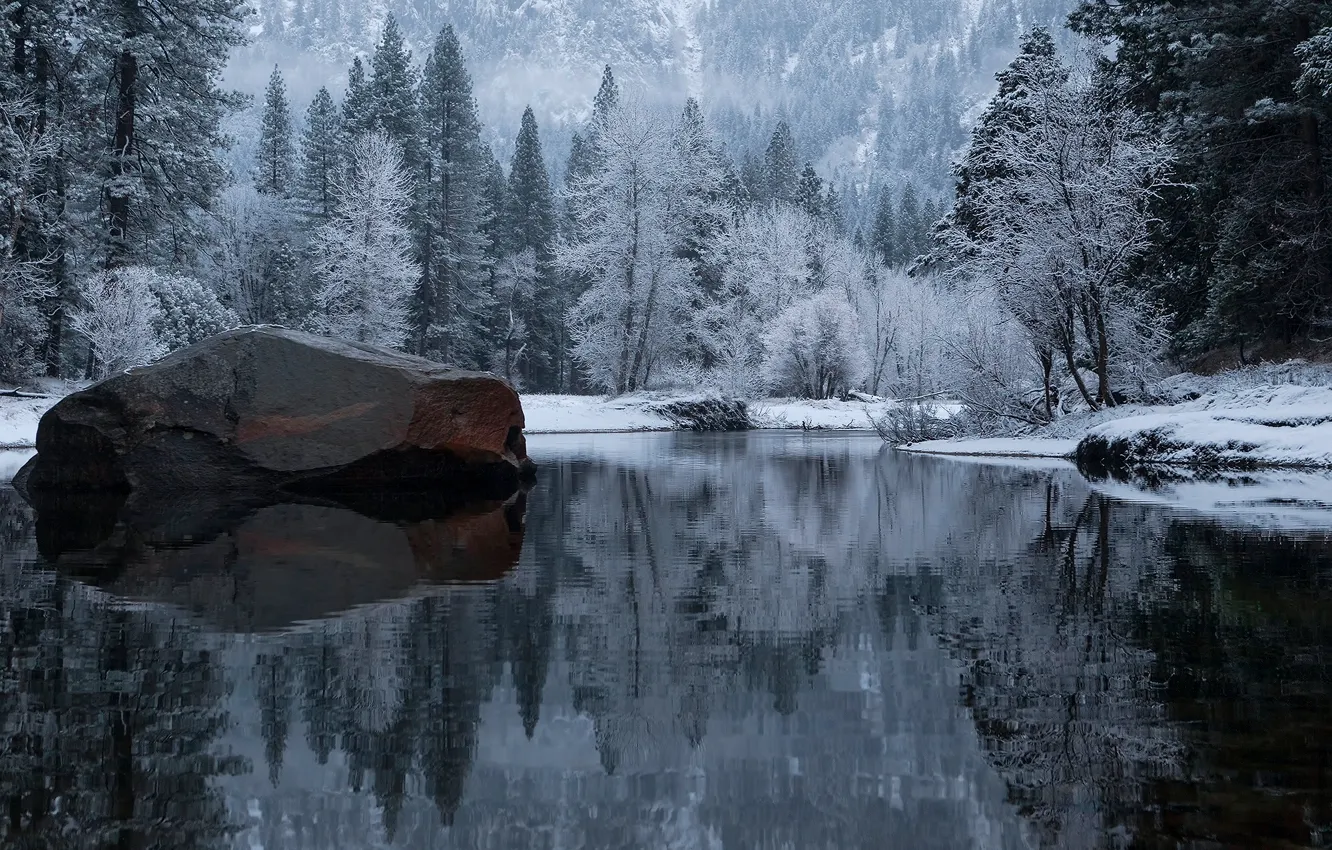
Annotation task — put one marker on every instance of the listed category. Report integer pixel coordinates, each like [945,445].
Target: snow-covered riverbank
[573,414]
[18,420]
[1277,416]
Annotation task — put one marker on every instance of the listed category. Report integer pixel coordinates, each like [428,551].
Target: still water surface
[741,641]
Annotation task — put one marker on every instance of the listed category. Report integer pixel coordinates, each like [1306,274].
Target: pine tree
[809,192]
[834,210]
[910,241]
[453,301]
[1007,110]
[357,112]
[392,91]
[162,119]
[705,214]
[734,191]
[320,157]
[883,235]
[530,224]
[780,172]
[274,173]
[606,99]
[580,165]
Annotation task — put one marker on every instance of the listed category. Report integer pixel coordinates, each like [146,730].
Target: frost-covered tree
[632,321]
[250,233]
[1056,232]
[362,258]
[117,317]
[321,157]
[188,310]
[814,349]
[516,282]
[275,171]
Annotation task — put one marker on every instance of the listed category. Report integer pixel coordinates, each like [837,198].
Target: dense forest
[1146,186]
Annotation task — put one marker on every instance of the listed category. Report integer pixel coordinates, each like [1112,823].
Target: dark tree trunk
[1315,185]
[122,148]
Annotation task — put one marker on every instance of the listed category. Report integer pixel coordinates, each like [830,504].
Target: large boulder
[265,409]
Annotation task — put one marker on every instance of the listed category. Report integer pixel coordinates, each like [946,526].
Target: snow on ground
[1016,447]
[1272,425]
[1264,416]
[576,414]
[572,414]
[560,414]
[18,420]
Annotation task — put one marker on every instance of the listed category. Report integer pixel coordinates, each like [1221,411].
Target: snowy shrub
[190,311]
[117,316]
[814,349]
[992,368]
[914,422]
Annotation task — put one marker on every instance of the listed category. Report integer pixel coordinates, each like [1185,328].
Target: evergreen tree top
[393,85]
[356,102]
[781,171]
[607,98]
[274,172]
[530,213]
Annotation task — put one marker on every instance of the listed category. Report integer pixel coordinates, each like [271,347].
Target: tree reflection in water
[750,640]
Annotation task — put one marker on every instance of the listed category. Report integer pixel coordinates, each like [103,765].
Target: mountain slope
[877,91]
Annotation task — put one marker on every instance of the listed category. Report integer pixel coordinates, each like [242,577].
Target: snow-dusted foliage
[516,280]
[634,317]
[363,258]
[251,262]
[23,282]
[1056,208]
[189,311]
[117,316]
[814,349]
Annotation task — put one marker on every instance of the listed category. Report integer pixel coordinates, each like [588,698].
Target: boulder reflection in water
[247,567]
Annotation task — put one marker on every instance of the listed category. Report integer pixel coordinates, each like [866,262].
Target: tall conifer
[530,225]
[451,310]
[321,157]
[275,171]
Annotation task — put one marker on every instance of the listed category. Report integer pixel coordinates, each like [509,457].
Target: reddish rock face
[266,407]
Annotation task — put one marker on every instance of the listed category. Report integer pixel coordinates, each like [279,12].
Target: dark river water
[697,641]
